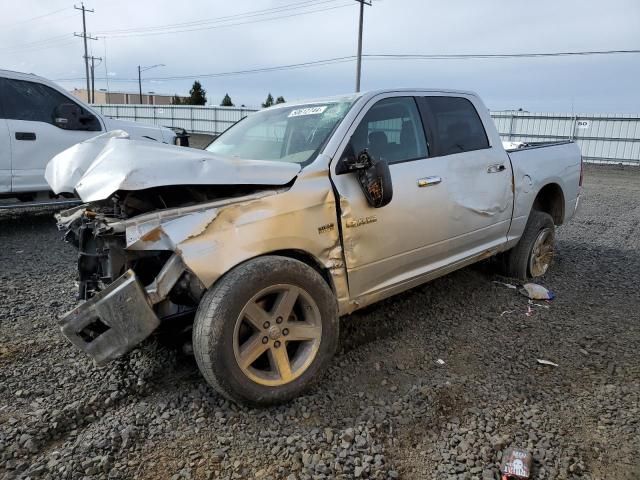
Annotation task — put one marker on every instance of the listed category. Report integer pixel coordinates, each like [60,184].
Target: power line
[213,27]
[45,42]
[314,63]
[237,72]
[63,43]
[20,22]
[253,13]
[146,34]
[495,55]
[336,60]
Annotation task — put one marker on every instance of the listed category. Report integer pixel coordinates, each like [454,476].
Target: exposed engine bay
[98,232]
[145,235]
[126,272]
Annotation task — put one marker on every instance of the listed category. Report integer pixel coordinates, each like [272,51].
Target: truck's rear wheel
[266,330]
[533,254]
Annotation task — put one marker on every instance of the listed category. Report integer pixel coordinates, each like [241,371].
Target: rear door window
[455,125]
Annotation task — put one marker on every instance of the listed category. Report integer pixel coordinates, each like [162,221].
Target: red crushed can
[516,464]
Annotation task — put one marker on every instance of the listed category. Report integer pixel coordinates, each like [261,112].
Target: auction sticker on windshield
[308,111]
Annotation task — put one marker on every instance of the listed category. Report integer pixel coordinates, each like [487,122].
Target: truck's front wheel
[266,330]
[533,254]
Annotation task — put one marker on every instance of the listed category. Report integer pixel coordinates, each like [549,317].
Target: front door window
[392,130]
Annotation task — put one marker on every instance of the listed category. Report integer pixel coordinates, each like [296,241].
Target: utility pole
[92,97]
[106,70]
[359,61]
[144,69]
[85,37]
[140,83]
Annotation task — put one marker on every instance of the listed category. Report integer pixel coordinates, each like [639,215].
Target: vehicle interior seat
[408,144]
[378,144]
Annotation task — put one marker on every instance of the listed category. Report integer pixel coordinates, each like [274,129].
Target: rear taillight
[581,171]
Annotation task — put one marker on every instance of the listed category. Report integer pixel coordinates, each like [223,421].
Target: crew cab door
[5,156]
[384,246]
[38,130]
[446,207]
[477,174]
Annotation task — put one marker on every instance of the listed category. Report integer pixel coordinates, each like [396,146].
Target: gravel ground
[386,408]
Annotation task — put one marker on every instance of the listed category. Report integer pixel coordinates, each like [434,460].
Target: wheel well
[310,260]
[550,199]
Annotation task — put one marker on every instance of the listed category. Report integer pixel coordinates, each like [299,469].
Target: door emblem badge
[361,221]
[329,227]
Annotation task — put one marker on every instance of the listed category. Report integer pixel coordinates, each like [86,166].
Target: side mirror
[70,116]
[67,116]
[373,176]
[353,163]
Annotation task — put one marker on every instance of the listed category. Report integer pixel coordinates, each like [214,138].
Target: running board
[51,203]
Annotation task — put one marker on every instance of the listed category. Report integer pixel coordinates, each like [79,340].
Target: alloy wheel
[542,253]
[277,335]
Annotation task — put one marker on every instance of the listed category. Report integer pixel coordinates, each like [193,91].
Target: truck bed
[539,165]
[530,145]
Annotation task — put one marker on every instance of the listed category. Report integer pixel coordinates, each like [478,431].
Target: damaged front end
[126,292]
[161,224]
[134,271]
[143,201]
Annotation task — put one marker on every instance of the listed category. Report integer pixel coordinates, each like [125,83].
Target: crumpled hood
[98,167]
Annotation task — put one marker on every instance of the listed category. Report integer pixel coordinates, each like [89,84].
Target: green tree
[226,101]
[197,95]
[280,100]
[176,100]
[268,102]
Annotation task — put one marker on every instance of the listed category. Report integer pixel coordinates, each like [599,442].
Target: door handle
[498,167]
[428,181]
[25,136]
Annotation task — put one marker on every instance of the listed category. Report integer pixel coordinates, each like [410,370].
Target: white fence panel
[603,138]
[214,120]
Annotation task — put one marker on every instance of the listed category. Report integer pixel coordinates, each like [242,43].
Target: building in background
[103,97]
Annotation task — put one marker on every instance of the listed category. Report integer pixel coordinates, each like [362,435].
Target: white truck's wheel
[533,254]
[266,330]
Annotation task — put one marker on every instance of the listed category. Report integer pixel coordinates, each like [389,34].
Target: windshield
[291,134]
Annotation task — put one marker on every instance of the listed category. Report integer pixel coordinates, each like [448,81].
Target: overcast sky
[607,83]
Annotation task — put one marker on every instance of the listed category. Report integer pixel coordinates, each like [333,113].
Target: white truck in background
[38,120]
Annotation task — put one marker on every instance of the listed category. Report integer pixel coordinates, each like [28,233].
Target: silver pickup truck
[296,215]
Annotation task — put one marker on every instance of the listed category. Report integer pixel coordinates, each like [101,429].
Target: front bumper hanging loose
[113,321]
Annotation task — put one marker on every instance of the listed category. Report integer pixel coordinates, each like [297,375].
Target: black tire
[220,309]
[517,260]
